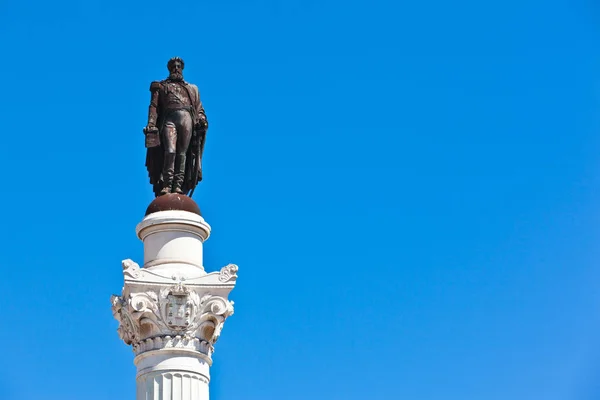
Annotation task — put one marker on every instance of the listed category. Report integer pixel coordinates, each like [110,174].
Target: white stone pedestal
[171,311]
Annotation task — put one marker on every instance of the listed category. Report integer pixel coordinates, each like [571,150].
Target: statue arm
[153,108]
[201,114]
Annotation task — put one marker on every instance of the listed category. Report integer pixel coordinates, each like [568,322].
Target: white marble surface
[172,376]
[171,311]
[173,237]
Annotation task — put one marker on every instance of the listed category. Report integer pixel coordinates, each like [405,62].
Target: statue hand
[150,129]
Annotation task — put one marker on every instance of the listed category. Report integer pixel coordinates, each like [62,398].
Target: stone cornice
[225,278]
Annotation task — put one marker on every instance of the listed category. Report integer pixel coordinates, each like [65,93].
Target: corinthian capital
[160,312]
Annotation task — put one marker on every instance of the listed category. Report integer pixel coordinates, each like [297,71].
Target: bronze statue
[175,133]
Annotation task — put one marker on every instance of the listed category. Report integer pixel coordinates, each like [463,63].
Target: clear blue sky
[410,189]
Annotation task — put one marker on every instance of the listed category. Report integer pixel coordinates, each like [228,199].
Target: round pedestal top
[173,201]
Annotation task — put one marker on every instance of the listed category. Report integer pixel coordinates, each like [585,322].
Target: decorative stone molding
[228,273]
[225,278]
[130,269]
[157,312]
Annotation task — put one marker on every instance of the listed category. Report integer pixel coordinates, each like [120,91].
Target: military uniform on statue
[175,133]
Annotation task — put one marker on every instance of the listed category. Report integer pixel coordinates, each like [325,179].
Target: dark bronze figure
[175,133]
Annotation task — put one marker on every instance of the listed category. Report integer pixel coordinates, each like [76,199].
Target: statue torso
[174,95]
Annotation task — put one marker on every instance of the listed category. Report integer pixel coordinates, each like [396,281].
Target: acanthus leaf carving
[131,269]
[144,308]
[128,330]
[228,273]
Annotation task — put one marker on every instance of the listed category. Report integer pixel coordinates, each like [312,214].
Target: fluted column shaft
[172,376]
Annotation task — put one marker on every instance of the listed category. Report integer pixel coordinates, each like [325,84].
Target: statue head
[175,66]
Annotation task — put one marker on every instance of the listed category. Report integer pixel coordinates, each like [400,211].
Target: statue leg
[184,135]
[170,142]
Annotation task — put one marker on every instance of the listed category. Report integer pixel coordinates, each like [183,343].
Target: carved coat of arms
[179,307]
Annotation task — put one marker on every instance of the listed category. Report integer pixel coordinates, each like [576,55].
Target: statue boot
[179,174]
[168,173]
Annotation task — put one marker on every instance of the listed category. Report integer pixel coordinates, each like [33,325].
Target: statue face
[176,68]
[175,71]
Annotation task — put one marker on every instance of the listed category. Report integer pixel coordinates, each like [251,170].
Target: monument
[171,311]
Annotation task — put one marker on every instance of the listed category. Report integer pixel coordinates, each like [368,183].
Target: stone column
[171,311]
